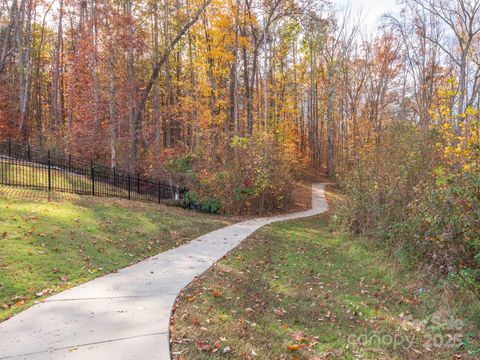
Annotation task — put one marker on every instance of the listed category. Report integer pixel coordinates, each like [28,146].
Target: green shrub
[209,205]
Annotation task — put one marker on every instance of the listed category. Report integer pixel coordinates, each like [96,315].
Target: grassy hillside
[303,290]
[47,245]
[28,174]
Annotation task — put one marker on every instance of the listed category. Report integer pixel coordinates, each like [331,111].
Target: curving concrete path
[125,315]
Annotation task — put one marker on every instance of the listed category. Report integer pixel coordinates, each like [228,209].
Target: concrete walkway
[125,315]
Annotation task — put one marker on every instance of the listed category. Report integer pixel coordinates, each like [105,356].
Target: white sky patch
[371,10]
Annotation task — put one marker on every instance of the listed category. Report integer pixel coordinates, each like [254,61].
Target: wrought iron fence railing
[36,168]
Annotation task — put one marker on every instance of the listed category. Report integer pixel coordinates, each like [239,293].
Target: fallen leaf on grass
[18,304]
[43,292]
[216,346]
[203,346]
[294,347]
[409,301]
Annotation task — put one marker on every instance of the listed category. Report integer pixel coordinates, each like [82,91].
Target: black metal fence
[35,168]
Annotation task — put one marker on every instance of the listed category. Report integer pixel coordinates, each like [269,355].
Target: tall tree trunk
[38,84]
[57,109]
[168,87]
[246,82]
[156,90]
[70,133]
[265,75]
[168,103]
[195,126]
[133,125]
[296,109]
[330,125]
[313,108]
[249,93]
[93,64]
[6,44]
[24,63]
[233,113]
[111,103]
[211,77]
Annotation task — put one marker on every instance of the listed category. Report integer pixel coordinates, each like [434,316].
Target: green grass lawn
[302,290]
[47,245]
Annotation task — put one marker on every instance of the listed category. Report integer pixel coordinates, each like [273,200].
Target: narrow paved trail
[126,315]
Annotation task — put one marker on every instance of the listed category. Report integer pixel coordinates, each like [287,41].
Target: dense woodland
[238,99]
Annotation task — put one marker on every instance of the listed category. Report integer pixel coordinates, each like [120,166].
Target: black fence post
[138,183]
[10,148]
[69,162]
[92,170]
[128,182]
[114,176]
[159,191]
[49,161]
[29,153]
